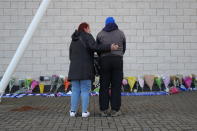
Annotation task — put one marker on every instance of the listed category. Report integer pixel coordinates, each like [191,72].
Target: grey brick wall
[161,34]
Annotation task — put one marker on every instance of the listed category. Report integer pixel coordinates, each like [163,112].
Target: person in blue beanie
[111,73]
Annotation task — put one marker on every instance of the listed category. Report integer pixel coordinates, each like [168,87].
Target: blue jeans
[80,87]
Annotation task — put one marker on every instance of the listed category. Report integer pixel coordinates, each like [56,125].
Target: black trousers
[111,77]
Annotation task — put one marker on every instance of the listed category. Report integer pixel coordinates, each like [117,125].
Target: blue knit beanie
[109,20]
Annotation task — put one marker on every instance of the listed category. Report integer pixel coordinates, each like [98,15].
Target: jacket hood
[110,27]
[75,35]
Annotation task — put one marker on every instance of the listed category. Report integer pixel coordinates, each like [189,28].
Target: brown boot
[104,113]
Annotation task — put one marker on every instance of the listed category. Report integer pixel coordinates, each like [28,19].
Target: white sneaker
[72,113]
[85,114]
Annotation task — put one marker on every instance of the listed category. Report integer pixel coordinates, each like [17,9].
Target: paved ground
[140,113]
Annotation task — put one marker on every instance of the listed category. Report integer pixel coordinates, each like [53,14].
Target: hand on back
[114,46]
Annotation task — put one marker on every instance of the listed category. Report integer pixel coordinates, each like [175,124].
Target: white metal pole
[23,45]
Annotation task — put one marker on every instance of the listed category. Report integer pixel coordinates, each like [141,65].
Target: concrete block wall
[161,34]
